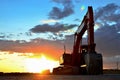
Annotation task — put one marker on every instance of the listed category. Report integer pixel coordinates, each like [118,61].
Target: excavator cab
[84,48]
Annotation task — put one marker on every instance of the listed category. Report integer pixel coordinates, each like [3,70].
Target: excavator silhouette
[83,59]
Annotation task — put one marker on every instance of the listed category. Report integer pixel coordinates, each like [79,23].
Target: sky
[31,28]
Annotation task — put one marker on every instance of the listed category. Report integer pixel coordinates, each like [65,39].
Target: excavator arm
[86,25]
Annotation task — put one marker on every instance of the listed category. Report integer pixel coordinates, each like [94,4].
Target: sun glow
[39,65]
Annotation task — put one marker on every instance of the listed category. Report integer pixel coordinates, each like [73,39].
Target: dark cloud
[2,36]
[110,12]
[51,28]
[19,34]
[28,33]
[6,35]
[58,13]
[107,38]
[56,36]
[36,46]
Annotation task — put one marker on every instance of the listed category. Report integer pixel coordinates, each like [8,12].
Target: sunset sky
[30,29]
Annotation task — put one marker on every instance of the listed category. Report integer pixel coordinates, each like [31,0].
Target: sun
[39,65]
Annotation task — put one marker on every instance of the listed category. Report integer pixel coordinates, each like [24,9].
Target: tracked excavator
[83,59]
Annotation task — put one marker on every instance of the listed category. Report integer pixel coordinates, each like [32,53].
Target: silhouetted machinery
[84,59]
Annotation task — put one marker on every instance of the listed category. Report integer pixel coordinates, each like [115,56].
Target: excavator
[83,60]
